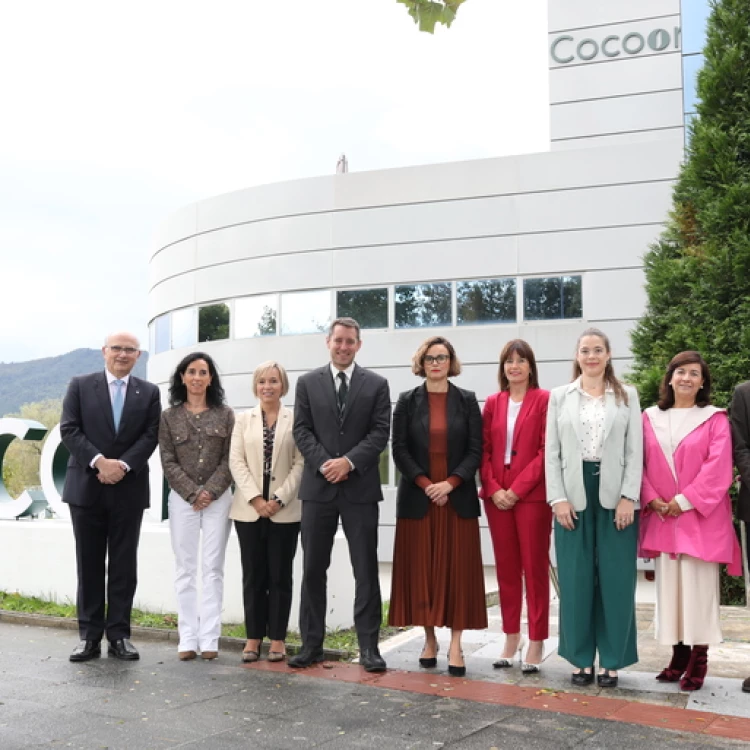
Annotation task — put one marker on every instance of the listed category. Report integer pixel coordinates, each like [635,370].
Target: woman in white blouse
[593,465]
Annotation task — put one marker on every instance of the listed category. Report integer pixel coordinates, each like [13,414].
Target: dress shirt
[111,388]
[591,416]
[337,384]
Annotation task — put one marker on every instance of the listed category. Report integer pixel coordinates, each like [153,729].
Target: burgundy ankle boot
[696,669]
[678,665]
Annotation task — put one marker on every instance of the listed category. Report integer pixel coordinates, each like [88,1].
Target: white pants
[199,625]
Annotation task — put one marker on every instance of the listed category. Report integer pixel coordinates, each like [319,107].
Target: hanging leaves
[427,13]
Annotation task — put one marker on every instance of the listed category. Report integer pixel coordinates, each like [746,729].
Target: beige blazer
[622,451]
[246,465]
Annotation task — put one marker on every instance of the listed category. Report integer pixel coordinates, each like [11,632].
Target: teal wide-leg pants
[597,573]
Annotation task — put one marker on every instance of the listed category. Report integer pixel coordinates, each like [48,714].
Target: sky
[115,115]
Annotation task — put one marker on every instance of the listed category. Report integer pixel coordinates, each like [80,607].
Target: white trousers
[199,623]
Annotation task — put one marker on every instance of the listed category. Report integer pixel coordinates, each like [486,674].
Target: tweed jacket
[194,450]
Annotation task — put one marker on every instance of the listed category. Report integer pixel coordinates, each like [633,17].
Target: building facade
[537,246]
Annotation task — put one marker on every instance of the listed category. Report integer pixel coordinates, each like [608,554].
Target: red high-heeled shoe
[678,665]
[696,669]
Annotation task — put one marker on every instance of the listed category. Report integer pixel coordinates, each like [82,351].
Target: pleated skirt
[438,578]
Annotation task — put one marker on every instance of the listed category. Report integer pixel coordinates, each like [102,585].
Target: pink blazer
[701,470]
[526,474]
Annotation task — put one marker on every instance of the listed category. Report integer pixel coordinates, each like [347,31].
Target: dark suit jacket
[362,435]
[87,428]
[411,445]
[526,473]
[740,416]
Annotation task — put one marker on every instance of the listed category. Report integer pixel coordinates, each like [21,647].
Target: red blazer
[526,473]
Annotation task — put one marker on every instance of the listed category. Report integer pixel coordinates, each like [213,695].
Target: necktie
[343,390]
[117,403]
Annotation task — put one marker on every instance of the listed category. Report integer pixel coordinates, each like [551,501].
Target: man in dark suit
[740,417]
[110,425]
[342,417]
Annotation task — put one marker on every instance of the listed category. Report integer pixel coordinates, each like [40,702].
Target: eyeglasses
[441,359]
[129,350]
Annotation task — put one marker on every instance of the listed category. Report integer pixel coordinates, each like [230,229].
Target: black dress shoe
[582,678]
[746,686]
[306,658]
[371,660]
[86,650]
[123,649]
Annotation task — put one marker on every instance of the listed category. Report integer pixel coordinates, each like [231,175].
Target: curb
[147,634]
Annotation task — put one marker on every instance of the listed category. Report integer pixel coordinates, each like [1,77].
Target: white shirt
[347,373]
[513,410]
[591,416]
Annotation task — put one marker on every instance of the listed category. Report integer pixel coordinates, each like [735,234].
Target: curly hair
[178,391]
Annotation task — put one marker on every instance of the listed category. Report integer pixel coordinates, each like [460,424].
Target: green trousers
[597,571]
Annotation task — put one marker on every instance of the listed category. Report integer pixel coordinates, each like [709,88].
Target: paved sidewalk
[159,702]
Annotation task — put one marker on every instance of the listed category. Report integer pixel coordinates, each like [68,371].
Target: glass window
[552,298]
[691,64]
[213,322]
[255,316]
[161,334]
[305,312]
[694,16]
[423,305]
[486,301]
[184,328]
[369,307]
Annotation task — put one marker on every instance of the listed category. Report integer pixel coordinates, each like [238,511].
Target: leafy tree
[267,322]
[21,465]
[427,13]
[213,322]
[698,272]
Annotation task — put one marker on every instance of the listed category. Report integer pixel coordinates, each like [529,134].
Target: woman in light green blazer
[593,466]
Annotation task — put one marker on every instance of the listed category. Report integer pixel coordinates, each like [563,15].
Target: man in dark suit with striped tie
[110,425]
[342,419]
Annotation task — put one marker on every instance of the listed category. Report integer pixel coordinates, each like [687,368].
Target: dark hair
[524,350]
[346,322]
[666,392]
[177,390]
[417,361]
[610,379]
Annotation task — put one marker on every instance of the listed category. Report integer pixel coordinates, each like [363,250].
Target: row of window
[447,303]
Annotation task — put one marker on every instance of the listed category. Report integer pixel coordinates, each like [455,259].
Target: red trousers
[521,538]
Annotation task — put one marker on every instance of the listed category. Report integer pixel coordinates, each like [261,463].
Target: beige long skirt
[687,601]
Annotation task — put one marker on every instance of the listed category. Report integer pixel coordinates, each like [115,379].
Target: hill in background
[39,379]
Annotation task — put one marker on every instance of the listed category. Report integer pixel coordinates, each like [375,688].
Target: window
[486,301]
[691,65]
[694,16]
[160,329]
[305,312]
[184,328]
[255,316]
[213,322]
[552,298]
[369,307]
[423,305]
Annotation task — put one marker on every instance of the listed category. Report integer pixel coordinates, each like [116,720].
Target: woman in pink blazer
[686,522]
[520,521]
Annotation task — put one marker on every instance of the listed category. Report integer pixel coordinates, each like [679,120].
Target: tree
[21,465]
[427,13]
[698,272]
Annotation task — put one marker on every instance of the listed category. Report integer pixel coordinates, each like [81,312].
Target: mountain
[38,379]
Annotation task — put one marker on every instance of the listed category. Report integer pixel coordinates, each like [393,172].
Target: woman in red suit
[520,521]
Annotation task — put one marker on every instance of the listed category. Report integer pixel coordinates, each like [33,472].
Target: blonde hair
[610,379]
[263,368]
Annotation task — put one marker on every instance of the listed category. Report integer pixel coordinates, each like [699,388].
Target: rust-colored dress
[438,578]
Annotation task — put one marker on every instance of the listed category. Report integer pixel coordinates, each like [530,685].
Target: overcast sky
[114,115]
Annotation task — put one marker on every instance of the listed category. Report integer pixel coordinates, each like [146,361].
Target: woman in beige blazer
[267,468]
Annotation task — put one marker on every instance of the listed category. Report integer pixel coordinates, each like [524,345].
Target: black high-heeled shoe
[428,662]
[583,678]
[455,671]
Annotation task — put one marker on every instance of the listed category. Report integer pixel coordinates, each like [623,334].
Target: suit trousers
[360,524]
[106,537]
[267,551]
[199,622]
[520,539]
[597,571]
